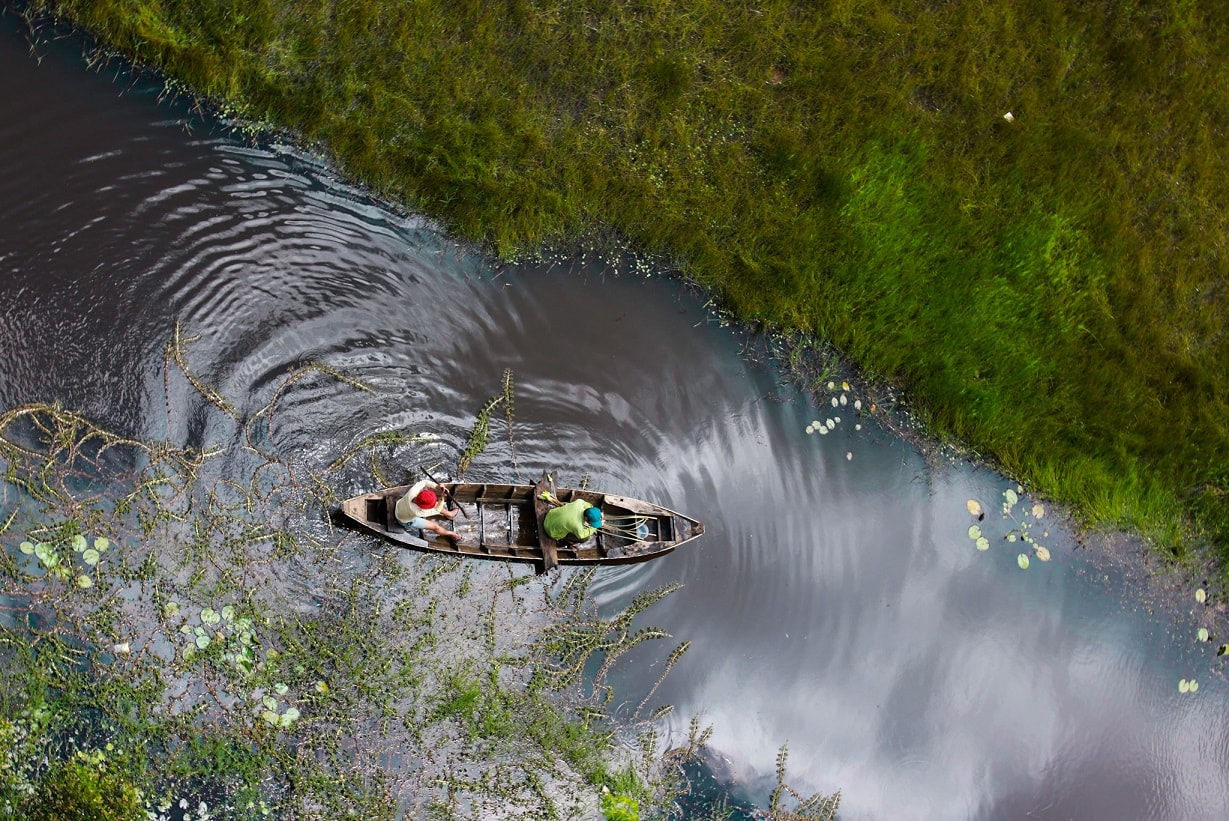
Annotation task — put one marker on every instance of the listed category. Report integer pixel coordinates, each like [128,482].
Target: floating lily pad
[844,386]
[270,716]
[270,702]
[1010,496]
[810,429]
[974,532]
[1201,595]
[844,400]
[281,689]
[322,686]
[1184,686]
[1022,560]
[171,608]
[289,717]
[84,581]
[1011,537]
[1224,648]
[203,641]
[835,403]
[79,543]
[1038,511]
[90,557]
[1194,685]
[1042,553]
[974,508]
[983,543]
[1202,633]
[26,547]
[857,404]
[101,544]
[210,616]
[228,612]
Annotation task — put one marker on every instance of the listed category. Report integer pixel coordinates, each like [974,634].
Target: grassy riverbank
[1047,286]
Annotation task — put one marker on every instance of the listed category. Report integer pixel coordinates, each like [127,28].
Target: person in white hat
[422,502]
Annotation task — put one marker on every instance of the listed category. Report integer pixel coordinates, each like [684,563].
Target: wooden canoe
[504,522]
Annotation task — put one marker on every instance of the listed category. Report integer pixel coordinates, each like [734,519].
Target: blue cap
[593,517]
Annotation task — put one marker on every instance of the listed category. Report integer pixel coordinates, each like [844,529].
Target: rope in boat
[626,526]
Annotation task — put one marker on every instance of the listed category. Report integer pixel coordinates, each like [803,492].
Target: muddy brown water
[836,604]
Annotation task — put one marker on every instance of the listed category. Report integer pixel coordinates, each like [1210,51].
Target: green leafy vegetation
[1012,209]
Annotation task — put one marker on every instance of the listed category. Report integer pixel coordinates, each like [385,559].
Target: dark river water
[837,603]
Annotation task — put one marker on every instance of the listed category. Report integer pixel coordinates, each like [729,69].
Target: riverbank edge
[1161,571]
[1152,578]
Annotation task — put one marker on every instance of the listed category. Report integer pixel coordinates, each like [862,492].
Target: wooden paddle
[550,548]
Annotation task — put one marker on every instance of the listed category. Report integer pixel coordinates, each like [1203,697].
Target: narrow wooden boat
[504,522]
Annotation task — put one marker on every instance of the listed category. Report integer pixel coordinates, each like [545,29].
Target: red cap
[425,499]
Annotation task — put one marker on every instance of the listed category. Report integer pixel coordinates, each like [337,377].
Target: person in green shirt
[573,522]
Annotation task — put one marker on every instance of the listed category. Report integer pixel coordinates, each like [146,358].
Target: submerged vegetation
[1011,209]
[176,639]
[183,634]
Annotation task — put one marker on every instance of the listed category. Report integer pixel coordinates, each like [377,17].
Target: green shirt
[568,520]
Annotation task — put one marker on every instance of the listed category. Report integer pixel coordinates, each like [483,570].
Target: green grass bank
[1047,286]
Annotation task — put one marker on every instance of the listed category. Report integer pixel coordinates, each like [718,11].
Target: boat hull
[503,522]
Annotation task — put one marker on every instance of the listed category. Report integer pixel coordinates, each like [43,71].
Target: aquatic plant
[823,807]
[185,675]
[478,435]
[81,787]
[192,549]
[1021,532]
